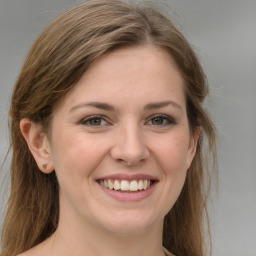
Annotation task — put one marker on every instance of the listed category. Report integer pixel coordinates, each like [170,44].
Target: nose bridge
[129,146]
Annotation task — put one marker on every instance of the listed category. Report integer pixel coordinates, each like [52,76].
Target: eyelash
[165,118]
[94,117]
[168,120]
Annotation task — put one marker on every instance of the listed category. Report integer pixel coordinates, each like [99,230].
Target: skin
[128,138]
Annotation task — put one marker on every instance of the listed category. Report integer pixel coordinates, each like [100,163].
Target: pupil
[158,120]
[96,121]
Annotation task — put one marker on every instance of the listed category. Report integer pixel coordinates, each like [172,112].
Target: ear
[38,144]
[193,146]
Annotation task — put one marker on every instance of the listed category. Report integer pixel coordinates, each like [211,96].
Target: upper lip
[129,177]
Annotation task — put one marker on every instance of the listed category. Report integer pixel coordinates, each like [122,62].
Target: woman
[107,130]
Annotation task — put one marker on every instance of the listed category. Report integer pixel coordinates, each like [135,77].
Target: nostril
[129,150]
[131,163]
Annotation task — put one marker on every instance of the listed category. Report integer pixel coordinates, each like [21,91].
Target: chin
[131,224]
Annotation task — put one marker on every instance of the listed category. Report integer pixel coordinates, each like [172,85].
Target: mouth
[127,186]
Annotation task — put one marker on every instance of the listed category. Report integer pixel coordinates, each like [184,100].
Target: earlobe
[193,146]
[38,144]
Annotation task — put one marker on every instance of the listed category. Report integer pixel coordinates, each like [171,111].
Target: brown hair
[58,58]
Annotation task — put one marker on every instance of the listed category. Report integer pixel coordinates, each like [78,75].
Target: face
[120,142]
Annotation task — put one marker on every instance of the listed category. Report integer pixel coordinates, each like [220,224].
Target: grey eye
[157,120]
[94,121]
[161,120]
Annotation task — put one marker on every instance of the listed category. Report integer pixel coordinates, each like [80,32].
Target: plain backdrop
[223,33]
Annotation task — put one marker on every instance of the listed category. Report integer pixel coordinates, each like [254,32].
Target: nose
[129,146]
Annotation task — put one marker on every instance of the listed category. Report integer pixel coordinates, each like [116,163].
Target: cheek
[75,158]
[172,153]
[76,154]
[173,162]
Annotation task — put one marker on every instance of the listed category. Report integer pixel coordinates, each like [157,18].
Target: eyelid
[91,117]
[171,120]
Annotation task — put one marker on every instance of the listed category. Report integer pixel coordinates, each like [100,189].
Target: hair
[56,61]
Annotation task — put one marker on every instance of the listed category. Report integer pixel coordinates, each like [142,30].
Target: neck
[86,239]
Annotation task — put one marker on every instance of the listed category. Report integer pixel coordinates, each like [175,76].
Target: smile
[125,185]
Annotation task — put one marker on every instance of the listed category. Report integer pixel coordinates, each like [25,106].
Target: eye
[161,120]
[94,121]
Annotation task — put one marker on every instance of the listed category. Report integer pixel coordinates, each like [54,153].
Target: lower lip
[129,196]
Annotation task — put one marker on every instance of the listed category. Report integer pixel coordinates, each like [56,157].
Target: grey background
[223,33]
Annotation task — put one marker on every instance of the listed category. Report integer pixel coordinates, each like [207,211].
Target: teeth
[140,185]
[134,185]
[105,183]
[146,184]
[116,185]
[125,185]
[110,184]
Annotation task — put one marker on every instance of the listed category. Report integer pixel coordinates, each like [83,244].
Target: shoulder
[25,254]
[31,252]
[38,250]
[168,253]
[35,251]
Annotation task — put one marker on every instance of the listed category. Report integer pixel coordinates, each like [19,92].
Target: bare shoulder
[168,253]
[23,254]
[38,250]
[27,253]
[31,252]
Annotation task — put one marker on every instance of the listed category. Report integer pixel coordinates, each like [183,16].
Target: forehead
[130,74]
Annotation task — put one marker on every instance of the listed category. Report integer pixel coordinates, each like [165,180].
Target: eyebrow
[162,104]
[108,107]
[100,105]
